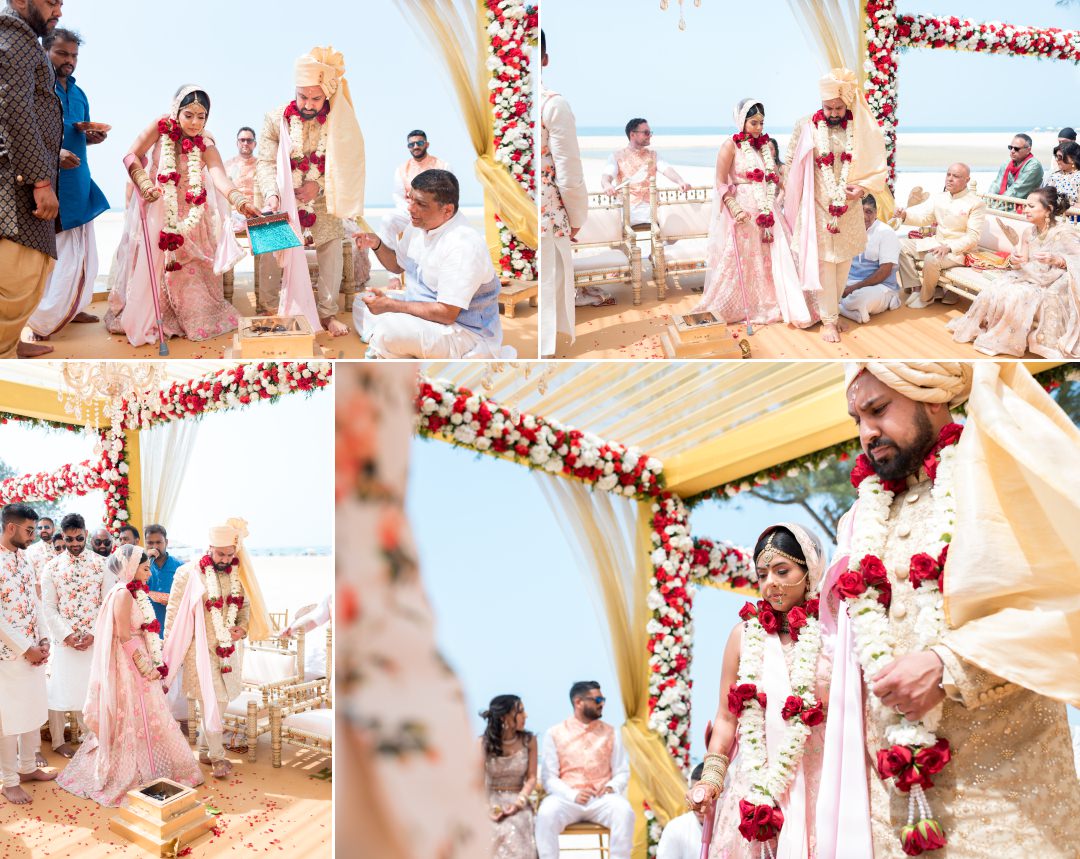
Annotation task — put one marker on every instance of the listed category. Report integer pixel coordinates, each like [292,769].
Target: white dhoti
[401,335]
[868,300]
[70,288]
[66,685]
[557,305]
[612,810]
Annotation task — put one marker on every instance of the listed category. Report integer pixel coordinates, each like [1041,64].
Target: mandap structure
[687,432]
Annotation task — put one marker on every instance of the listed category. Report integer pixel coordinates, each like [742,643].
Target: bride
[750,272]
[133,735]
[772,709]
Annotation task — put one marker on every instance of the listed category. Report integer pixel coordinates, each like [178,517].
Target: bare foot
[31,350]
[38,775]
[83,316]
[830,332]
[39,760]
[335,328]
[17,795]
[65,750]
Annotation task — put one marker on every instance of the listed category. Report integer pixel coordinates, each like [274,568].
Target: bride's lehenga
[140,740]
[1035,308]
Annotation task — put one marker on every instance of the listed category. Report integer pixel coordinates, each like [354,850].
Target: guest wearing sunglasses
[1021,175]
[419,160]
[585,772]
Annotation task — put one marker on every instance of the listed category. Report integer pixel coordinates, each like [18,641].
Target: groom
[318,136]
[214,605]
[835,156]
[1005,784]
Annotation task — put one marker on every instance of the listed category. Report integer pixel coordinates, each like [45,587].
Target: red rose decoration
[922,568]
[767,618]
[950,434]
[919,837]
[934,758]
[792,707]
[851,585]
[812,607]
[813,716]
[759,822]
[748,611]
[873,571]
[796,619]
[739,695]
[187,146]
[861,471]
[893,761]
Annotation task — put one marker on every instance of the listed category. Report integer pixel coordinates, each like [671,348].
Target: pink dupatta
[842,821]
[296,295]
[189,623]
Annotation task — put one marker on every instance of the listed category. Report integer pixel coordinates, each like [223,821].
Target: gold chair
[585,827]
[305,717]
[606,250]
[680,234]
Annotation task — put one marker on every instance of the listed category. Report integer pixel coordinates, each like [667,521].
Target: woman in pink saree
[183,206]
[776,656]
[133,738]
[750,273]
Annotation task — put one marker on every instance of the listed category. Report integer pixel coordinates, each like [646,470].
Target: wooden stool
[514,291]
[586,827]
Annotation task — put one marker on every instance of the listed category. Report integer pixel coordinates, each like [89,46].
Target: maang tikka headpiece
[769,552]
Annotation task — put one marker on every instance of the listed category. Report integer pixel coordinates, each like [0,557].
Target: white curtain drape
[164,451]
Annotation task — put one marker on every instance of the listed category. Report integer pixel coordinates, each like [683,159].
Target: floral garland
[915,751]
[886,33]
[474,421]
[721,565]
[835,186]
[510,26]
[150,625]
[223,618]
[306,166]
[761,817]
[171,237]
[764,183]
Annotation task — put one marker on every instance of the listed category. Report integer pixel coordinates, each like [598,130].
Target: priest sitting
[450,308]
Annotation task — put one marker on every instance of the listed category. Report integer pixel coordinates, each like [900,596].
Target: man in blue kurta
[70,288]
[163,567]
[1020,175]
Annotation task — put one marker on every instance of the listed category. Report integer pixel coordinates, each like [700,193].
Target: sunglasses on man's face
[417,144]
[69,539]
[1016,148]
[245,140]
[599,699]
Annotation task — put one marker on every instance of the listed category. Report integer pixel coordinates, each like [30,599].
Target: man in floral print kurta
[217,579]
[24,650]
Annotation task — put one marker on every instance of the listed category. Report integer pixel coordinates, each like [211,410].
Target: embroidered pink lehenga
[133,737]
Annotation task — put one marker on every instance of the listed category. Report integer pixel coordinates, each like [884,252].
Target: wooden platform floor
[624,331]
[93,341]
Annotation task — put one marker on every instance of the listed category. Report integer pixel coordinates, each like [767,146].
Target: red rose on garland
[918,838]
[739,695]
[759,822]
[850,585]
[796,619]
[813,716]
[767,618]
[792,707]
[922,568]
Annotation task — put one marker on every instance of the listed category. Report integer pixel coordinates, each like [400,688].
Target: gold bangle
[237,198]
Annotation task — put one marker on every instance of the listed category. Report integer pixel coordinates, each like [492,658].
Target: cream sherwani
[564,205]
[959,218]
[327,233]
[23,704]
[226,686]
[1011,787]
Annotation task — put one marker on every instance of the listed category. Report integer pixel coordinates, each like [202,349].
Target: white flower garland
[171,189]
[313,173]
[223,620]
[771,779]
[835,188]
[764,191]
[152,640]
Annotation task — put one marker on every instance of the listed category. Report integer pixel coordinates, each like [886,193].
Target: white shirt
[549,768]
[452,260]
[681,838]
[882,246]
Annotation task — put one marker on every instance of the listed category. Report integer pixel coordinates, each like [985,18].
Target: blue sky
[134,58]
[513,610]
[615,59]
[239,467]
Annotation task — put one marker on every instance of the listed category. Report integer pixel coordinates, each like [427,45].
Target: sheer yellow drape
[611,536]
[455,30]
[836,28]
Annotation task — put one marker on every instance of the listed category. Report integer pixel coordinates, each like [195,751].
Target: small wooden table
[514,291]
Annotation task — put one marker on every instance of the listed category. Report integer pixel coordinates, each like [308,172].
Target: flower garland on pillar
[510,26]
[887,33]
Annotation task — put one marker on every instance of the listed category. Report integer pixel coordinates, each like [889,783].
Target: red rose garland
[223,610]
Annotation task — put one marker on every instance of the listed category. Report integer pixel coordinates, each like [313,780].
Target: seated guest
[450,308]
[959,214]
[241,171]
[1066,178]
[101,541]
[129,535]
[640,163]
[1021,175]
[681,838]
[871,284]
[1066,135]
[417,163]
[510,775]
[585,773]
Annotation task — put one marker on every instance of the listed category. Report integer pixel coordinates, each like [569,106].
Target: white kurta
[72,593]
[23,706]
[70,288]
[681,838]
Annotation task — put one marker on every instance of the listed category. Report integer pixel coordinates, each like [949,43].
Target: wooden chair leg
[348,274]
[228,280]
[635,274]
[193,720]
[659,270]
[275,735]
[252,724]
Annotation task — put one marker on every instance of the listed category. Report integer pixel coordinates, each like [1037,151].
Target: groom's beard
[834,121]
[223,568]
[308,114]
[906,460]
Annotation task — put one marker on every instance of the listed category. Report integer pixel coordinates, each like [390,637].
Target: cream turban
[923,381]
[869,167]
[325,68]
[232,533]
